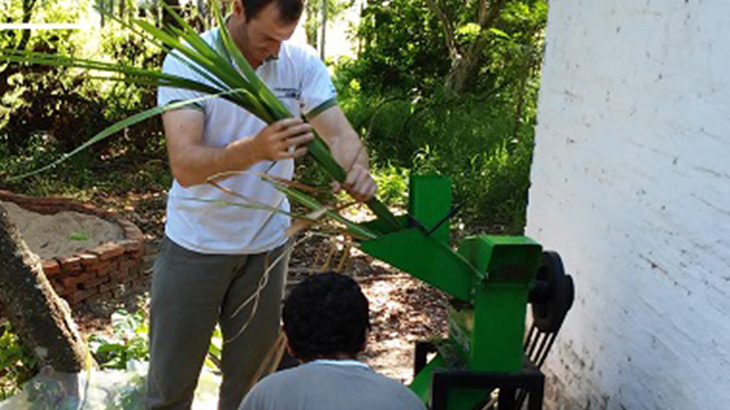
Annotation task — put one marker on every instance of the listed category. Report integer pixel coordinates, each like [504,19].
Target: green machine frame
[488,278]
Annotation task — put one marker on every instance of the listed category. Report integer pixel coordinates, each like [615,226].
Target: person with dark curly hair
[326,323]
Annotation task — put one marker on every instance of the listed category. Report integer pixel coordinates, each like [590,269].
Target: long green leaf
[209,62]
[115,128]
[317,148]
[154,40]
[133,74]
[190,53]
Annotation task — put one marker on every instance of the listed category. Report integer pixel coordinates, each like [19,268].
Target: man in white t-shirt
[214,257]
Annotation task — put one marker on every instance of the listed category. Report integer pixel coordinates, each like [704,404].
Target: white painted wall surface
[631,184]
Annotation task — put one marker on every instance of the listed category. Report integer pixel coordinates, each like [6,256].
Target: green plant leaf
[79,236]
[118,127]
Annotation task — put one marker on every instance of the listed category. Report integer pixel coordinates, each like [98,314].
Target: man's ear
[238,10]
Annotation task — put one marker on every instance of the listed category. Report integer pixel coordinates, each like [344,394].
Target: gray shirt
[330,385]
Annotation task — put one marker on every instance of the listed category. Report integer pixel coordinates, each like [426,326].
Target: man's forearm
[347,150]
[193,163]
[198,163]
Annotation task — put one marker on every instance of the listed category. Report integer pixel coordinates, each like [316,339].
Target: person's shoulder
[269,388]
[407,398]
[298,51]
[282,376]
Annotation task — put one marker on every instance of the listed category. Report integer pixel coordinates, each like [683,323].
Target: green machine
[491,280]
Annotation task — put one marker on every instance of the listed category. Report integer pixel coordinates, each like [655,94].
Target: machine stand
[529,380]
[514,387]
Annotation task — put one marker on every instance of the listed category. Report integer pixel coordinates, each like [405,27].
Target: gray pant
[191,292]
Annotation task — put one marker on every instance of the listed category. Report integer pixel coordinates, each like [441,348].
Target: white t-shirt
[197,218]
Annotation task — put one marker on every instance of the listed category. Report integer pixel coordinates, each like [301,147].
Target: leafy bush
[17,364]
[478,143]
[35,99]
[392,183]
[66,107]
[403,47]
[128,341]
[396,96]
[122,100]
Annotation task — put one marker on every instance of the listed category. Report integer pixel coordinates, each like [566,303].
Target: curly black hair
[325,315]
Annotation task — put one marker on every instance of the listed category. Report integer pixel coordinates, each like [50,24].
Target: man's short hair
[289,10]
[324,315]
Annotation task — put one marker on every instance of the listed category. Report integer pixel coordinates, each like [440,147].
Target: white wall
[631,184]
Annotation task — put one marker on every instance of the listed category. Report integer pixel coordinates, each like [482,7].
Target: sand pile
[62,234]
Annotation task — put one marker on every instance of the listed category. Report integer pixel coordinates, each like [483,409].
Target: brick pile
[106,272]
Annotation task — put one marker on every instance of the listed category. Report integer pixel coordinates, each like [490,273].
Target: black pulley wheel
[552,294]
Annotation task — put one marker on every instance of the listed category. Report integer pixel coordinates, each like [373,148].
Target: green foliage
[392,183]
[66,106]
[395,96]
[128,341]
[122,99]
[313,11]
[38,11]
[471,140]
[402,48]
[35,99]
[17,364]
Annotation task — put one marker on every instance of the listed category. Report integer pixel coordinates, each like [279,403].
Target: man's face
[260,37]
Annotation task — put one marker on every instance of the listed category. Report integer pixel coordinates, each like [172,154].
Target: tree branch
[447,26]
[482,10]
[487,20]
[27,14]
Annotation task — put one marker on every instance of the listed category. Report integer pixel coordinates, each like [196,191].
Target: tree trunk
[466,60]
[323,36]
[42,320]
[27,14]
[11,69]
[461,73]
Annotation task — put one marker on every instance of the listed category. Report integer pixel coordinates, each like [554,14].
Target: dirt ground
[403,309]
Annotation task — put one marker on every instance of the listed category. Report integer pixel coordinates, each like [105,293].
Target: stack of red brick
[108,271]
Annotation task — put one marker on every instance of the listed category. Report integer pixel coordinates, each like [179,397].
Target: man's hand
[346,148]
[359,184]
[283,139]
[193,163]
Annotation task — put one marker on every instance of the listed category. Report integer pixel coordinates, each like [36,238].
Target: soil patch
[61,234]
